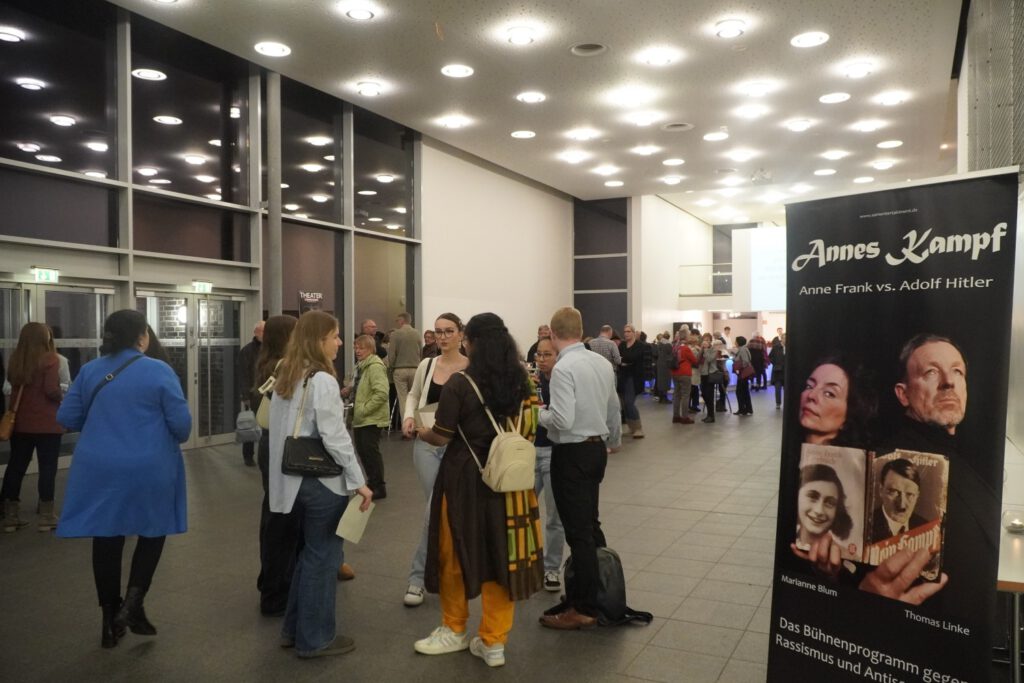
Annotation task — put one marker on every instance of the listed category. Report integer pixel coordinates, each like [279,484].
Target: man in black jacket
[247,358]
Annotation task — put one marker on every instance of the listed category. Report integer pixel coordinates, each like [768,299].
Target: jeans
[680,395]
[629,400]
[778,394]
[367,444]
[279,543]
[309,618]
[427,460]
[47,448]
[106,565]
[554,535]
[576,473]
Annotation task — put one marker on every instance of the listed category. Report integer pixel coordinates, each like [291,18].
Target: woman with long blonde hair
[307,401]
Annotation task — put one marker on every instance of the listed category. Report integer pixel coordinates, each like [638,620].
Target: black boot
[111,633]
[132,615]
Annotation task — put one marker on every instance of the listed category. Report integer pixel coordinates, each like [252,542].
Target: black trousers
[367,443]
[280,543]
[743,396]
[106,565]
[577,470]
[47,449]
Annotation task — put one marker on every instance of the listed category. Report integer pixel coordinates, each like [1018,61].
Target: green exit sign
[45,274]
[202,287]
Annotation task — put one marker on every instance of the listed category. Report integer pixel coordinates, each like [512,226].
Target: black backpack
[611,596]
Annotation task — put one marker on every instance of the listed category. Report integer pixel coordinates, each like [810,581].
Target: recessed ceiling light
[367,193]
[858,69]
[944,145]
[675,161]
[149,74]
[95,174]
[800,188]
[457,70]
[730,28]
[291,207]
[705,202]
[757,88]
[49,158]
[809,39]
[834,97]
[272,49]
[311,168]
[864,179]
[835,154]
[195,159]
[677,127]
[30,83]
[606,169]
[235,112]
[385,178]
[453,121]
[889,144]
[63,121]
[369,88]
[375,219]
[645,150]
[643,118]
[214,196]
[729,191]
[215,143]
[393,226]
[733,180]
[588,49]
[206,178]
[882,164]
[798,125]
[320,198]
[29,147]
[750,111]
[318,140]
[868,125]
[672,179]
[159,181]
[300,215]
[658,56]
[583,134]
[531,97]
[741,155]
[400,209]
[285,186]
[523,134]
[147,170]
[360,14]
[9,34]
[891,98]
[168,120]
[613,183]
[718,135]
[825,171]
[520,35]
[574,156]
[97,146]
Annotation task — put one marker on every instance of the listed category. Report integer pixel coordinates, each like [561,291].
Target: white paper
[353,522]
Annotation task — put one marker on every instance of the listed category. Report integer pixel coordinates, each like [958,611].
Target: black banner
[887,546]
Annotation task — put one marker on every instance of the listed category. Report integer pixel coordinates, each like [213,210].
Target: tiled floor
[691,510]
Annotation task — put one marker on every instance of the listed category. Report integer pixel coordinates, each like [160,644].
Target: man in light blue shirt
[582,417]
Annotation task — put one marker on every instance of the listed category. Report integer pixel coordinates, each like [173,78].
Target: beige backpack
[511,459]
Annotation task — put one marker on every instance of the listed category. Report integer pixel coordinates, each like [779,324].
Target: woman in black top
[636,356]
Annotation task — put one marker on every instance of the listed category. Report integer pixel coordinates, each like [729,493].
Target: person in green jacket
[370,412]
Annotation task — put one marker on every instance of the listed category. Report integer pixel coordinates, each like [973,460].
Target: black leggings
[106,565]
[47,448]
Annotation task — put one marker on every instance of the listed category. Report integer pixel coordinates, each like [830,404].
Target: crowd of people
[452,389]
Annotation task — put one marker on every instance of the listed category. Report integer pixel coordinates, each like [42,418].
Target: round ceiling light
[809,39]
[311,168]
[457,70]
[385,178]
[375,219]
[29,147]
[834,97]
[673,162]
[393,226]
[606,169]
[272,49]
[835,154]
[147,171]
[168,120]
[733,180]
[645,150]
[658,56]
[858,69]
[318,140]
[160,181]
[523,134]
[588,49]
[741,155]
[825,171]
[520,35]
[400,209]
[369,88]
[613,183]
[864,179]
[677,127]
[868,125]
[48,158]
[95,174]
[149,74]
[320,198]
[63,121]
[30,83]
[453,121]
[800,188]
[531,97]
[367,193]
[360,14]
[215,143]
[882,164]
[889,144]
[195,159]
[643,118]
[718,135]
[672,179]
[798,125]
[291,207]
[206,178]
[9,34]
[751,111]
[574,156]
[757,88]
[730,28]
[706,201]
[97,146]
[891,98]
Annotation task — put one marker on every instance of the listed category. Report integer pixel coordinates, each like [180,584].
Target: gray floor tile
[737,671]
[702,638]
[698,610]
[663,664]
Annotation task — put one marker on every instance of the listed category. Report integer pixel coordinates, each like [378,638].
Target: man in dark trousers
[583,423]
[247,358]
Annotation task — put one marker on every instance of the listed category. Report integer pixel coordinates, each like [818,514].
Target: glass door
[76,315]
[14,313]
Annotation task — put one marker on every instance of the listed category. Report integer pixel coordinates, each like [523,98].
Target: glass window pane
[312,264]
[383,160]
[76,318]
[189,115]
[219,345]
[48,208]
[172,227]
[66,103]
[383,287]
[311,126]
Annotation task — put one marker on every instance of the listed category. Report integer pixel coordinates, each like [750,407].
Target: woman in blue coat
[127,476]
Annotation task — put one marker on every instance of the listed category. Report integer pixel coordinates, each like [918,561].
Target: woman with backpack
[468,546]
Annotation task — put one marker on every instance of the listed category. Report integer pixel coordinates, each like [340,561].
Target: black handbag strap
[107,379]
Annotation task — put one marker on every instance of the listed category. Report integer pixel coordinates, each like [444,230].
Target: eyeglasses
[450,332]
[543,354]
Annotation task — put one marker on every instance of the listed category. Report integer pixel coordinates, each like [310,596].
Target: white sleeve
[412,401]
[329,416]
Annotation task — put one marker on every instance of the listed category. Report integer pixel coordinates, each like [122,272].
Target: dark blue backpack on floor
[611,596]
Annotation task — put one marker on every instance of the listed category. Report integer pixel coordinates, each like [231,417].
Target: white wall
[492,241]
[663,237]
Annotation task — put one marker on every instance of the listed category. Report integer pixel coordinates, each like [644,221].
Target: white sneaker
[493,655]
[413,596]
[552,582]
[441,641]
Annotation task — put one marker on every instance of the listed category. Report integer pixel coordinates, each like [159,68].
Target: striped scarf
[522,523]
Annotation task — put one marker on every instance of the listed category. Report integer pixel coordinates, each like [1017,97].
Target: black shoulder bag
[306,456]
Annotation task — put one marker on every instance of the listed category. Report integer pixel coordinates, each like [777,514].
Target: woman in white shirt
[430,378]
[307,370]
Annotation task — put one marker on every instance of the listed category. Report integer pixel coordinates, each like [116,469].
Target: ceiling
[910,46]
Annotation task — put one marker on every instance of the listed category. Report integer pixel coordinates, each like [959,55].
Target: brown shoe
[569,620]
[686,420]
[345,572]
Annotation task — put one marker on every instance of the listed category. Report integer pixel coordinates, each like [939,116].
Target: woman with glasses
[431,376]
[636,356]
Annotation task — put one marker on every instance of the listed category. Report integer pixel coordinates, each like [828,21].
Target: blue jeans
[554,535]
[427,460]
[629,400]
[309,618]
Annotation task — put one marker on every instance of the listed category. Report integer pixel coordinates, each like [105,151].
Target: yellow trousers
[498,610]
